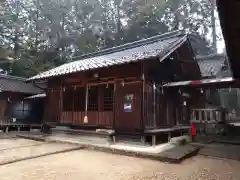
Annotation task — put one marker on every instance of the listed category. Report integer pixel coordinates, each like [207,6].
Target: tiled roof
[157,46]
[210,65]
[17,84]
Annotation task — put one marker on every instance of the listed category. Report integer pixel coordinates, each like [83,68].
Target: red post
[193,132]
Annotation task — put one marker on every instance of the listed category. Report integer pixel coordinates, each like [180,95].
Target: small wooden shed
[121,88]
[14,109]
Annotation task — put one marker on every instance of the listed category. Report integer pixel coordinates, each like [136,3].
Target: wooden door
[128,107]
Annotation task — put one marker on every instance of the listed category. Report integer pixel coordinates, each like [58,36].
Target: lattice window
[79,99]
[106,97]
[68,99]
[93,98]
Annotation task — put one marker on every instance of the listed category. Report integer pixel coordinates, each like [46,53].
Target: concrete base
[164,152]
[225,151]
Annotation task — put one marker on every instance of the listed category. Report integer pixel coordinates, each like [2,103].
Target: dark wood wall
[7,99]
[124,79]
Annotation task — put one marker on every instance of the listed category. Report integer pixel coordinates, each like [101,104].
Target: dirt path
[90,165]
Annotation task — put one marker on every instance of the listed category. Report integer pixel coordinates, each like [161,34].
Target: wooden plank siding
[98,114]
[128,121]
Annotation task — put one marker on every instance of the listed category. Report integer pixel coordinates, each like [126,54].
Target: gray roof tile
[210,65]
[17,84]
[157,46]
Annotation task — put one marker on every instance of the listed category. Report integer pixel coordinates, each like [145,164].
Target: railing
[208,121]
[6,120]
[207,115]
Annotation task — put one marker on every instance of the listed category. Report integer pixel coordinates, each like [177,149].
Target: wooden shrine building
[121,88]
[15,109]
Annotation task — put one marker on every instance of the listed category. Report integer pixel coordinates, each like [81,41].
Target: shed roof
[200,83]
[17,84]
[158,46]
[211,65]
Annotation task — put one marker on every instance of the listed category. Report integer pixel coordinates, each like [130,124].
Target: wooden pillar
[60,105]
[154,140]
[86,100]
[167,114]
[85,120]
[154,105]
[143,103]
[114,105]
[73,103]
[200,116]
[6,129]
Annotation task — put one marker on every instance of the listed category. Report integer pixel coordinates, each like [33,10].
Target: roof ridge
[130,45]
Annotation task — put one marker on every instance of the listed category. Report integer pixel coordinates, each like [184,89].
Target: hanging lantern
[201,90]
[107,86]
[64,89]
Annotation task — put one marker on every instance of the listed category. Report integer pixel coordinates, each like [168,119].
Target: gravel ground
[16,142]
[26,149]
[83,164]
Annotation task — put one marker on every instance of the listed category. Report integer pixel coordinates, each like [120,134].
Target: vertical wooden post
[143,103]
[200,116]
[206,116]
[177,116]
[100,94]
[154,105]
[114,104]
[86,100]
[177,113]
[60,105]
[167,114]
[73,91]
[85,120]
[153,140]
[211,115]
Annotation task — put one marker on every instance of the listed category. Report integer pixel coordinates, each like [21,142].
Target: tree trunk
[214,32]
